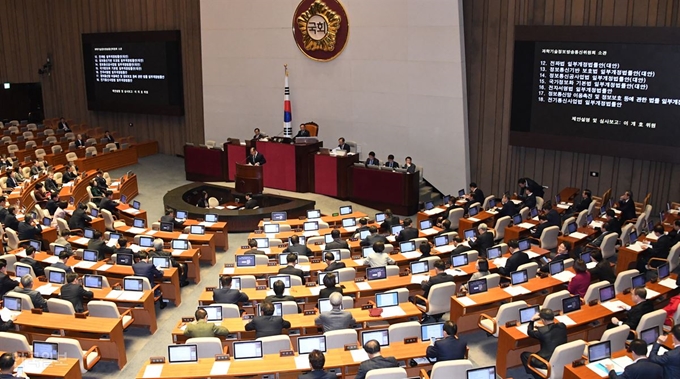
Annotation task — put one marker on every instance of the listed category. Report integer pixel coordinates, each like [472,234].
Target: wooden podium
[248,178]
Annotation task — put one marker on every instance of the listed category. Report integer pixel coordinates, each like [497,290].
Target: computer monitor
[214,312]
[379,217]
[419,267]
[429,205]
[461,192]
[473,211]
[589,219]
[482,373]
[459,260]
[58,249]
[182,353]
[135,204]
[114,236]
[57,277]
[166,226]
[179,244]
[181,215]
[366,250]
[571,304]
[161,262]
[607,293]
[446,199]
[435,330]
[470,233]
[650,335]
[308,344]
[124,259]
[93,281]
[88,233]
[524,244]
[284,278]
[345,210]
[663,271]
[374,273]
[395,229]
[364,234]
[145,241]
[349,222]
[90,255]
[328,238]
[492,203]
[123,199]
[94,212]
[138,222]
[197,229]
[310,226]
[494,252]
[314,213]
[387,299]
[20,271]
[425,224]
[517,219]
[46,221]
[407,246]
[533,212]
[271,228]
[477,286]
[37,245]
[599,351]
[262,243]
[133,284]
[526,314]
[519,277]
[638,281]
[322,275]
[632,237]
[211,218]
[245,260]
[12,303]
[571,227]
[45,350]
[558,199]
[380,335]
[585,257]
[556,267]
[248,350]
[325,305]
[279,216]
[441,241]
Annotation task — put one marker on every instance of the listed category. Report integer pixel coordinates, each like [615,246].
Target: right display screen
[608,91]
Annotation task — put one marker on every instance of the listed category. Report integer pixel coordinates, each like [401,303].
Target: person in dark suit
[296,247]
[159,252]
[603,269]
[255,158]
[517,258]
[170,217]
[74,292]
[290,269]
[448,348]
[671,360]
[329,283]
[542,224]
[267,324]
[79,219]
[674,234]
[226,294]
[408,233]
[562,254]
[529,198]
[100,181]
[29,229]
[337,243]
[391,163]
[658,249]
[27,289]
[79,142]
[149,271]
[7,363]
[202,328]
[3,210]
[316,361]
[586,199]
[375,360]
[342,145]
[253,248]
[109,204]
[440,276]
[258,135]
[550,335]
[641,368]
[627,206]
[634,314]
[29,259]
[108,137]
[11,180]
[6,283]
[390,220]
[483,241]
[476,195]
[409,166]
[63,125]
[535,188]
[446,228]
[331,263]
[203,200]
[11,219]
[250,202]
[104,250]
[551,214]
[279,289]
[70,174]
[508,207]
[373,237]
[614,222]
[459,247]
[303,132]
[372,160]
[61,263]
[51,186]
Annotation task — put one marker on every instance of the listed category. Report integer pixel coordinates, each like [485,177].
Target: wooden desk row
[297,223]
[66,368]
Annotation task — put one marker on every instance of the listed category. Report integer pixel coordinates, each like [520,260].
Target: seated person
[329,283]
[562,254]
[27,289]
[98,244]
[30,260]
[409,166]
[290,268]
[202,328]
[79,219]
[483,241]
[542,225]
[250,202]
[279,288]
[158,251]
[578,285]
[408,233]
[170,217]
[253,248]
[425,250]
[226,294]
[74,292]
[146,269]
[303,132]
[603,270]
[460,248]
[375,360]
[372,238]
[342,145]
[29,229]
[109,204]
[267,324]
[634,314]
[372,160]
[378,257]
[331,263]
[7,363]
[440,276]
[337,243]
[6,282]
[41,196]
[446,228]
[517,258]
[391,163]
[297,248]
[448,348]
[336,319]
[316,361]
[482,267]
[508,207]
[61,263]
[258,135]
[390,220]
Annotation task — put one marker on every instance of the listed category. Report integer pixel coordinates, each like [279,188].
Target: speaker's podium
[248,178]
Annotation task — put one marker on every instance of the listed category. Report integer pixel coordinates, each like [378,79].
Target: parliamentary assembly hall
[340,189]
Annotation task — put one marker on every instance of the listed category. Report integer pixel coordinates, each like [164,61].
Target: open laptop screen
[571,304]
[279,216]
[482,373]
[133,284]
[607,293]
[380,335]
[308,344]
[248,349]
[182,353]
[526,314]
[92,281]
[373,273]
[477,286]
[419,267]
[214,312]
[599,351]
[407,246]
[435,330]
[45,350]
[386,299]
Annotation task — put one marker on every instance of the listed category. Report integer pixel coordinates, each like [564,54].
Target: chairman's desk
[304,323]
[105,333]
[282,367]
[66,368]
[289,167]
[332,174]
[385,189]
[512,342]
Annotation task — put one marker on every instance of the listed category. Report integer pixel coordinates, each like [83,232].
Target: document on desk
[350,229]
[591,265]
[455,272]
[228,271]
[134,230]
[417,279]
[412,254]
[651,294]
[156,371]
[563,206]
[516,202]
[36,366]
[638,247]
[206,224]
[183,236]
[434,211]
[596,224]
[230,207]
[359,355]
[564,276]
[492,211]
[104,267]
[130,296]
[21,253]
[532,255]
[46,289]
[429,232]
[619,364]
[578,235]
[668,282]
[359,262]
[114,294]
[500,262]
[466,301]
[392,238]
[315,290]
[566,320]
[151,232]
[394,311]
[51,259]
[302,362]
[82,241]
[445,249]
[662,350]
[473,219]
[131,211]
[364,286]
[84,264]
[516,290]
[526,225]
[615,305]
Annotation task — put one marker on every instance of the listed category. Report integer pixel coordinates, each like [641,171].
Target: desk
[289,167]
[109,161]
[87,331]
[382,189]
[66,368]
[217,229]
[628,256]
[128,214]
[297,223]
[472,222]
[196,167]
[332,174]
[206,242]
[589,232]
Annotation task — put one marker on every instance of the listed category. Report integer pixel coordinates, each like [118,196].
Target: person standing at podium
[342,145]
[302,132]
[255,158]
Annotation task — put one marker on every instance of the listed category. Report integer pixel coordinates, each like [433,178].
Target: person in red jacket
[579,283]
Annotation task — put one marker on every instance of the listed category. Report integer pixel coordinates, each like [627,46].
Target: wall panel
[489,40]
[39,28]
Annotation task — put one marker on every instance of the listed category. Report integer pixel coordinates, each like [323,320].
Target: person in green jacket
[202,328]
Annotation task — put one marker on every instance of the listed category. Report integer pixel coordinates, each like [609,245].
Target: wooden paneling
[33,29]
[489,40]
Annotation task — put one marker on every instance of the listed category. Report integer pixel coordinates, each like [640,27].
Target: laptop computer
[345,210]
[328,238]
[45,350]
[599,351]
[247,350]
[284,278]
[93,281]
[123,199]
[459,260]
[494,252]
[395,229]
[325,305]
[461,193]
[419,267]
[441,241]
[90,255]
[179,244]
[379,217]
[349,223]
[571,228]
[314,213]
[638,281]
[524,244]
[585,257]
[306,345]
[166,227]
[124,259]
[429,205]
[469,234]
[519,277]
[57,277]
[278,309]
[473,211]
[632,237]
[663,271]
[37,245]
[571,304]
[380,335]
[88,233]
[133,284]
[517,219]
[271,228]
[58,249]
[279,216]
[182,353]
[136,204]
[446,199]
[12,303]
[429,331]
[607,293]
[214,313]
[533,212]
[283,258]
[138,223]
[386,299]
[181,215]
[650,335]
[374,273]
[161,263]
[425,224]
[310,226]
[364,234]
[556,267]
[366,250]
[211,218]
[94,212]
[262,243]
[20,271]
[145,241]
[407,246]
[197,229]
[526,314]
[477,286]
[482,373]
[46,221]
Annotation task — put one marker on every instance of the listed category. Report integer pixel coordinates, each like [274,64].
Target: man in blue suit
[149,271]
[641,368]
[450,347]
[671,360]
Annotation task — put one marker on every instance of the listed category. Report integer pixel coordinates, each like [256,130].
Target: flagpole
[287,115]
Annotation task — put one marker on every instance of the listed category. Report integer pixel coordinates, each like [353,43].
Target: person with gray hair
[484,239]
[158,251]
[337,318]
[36,298]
